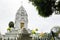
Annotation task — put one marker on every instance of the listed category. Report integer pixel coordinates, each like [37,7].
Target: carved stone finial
[21,3]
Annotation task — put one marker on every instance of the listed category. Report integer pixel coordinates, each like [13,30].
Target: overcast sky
[8,9]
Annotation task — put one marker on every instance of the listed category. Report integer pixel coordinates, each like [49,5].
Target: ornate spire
[21,18]
[21,8]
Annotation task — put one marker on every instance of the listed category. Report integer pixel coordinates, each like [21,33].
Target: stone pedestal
[24,35]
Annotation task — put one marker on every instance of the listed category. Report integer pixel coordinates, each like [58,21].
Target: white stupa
[21,20]
[20,27]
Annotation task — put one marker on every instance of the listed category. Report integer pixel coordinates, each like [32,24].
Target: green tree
[44,7]
[52,38]
[33,32]
[59,6]
[11,24]
[55,31]
[9,29]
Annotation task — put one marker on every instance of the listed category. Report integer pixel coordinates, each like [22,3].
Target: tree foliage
[11,24]
[59,6]
[55,31]
[52,38]
[9,29]
[44,7]
[33,32]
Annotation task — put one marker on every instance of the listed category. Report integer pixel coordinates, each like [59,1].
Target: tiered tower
[21,20]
